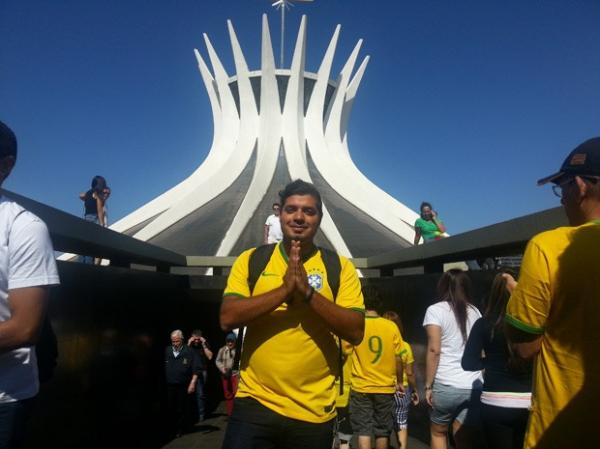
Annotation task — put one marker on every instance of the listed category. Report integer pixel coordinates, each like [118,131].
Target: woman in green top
[428,226]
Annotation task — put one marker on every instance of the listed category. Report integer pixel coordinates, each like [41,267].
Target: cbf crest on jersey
[315,279]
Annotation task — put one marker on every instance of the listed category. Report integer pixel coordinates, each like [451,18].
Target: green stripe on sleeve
[233,294]
[358,309]
[522,326]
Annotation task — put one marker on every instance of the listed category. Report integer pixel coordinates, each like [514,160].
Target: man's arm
[266,235]
[347,324]
[524,344]
[399,374]
[238,312]
[207,352]
[27,307]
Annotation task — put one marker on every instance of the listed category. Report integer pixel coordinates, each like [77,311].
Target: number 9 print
[376,347]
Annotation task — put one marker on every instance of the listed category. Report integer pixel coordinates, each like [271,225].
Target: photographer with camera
[200,346]
[229,378]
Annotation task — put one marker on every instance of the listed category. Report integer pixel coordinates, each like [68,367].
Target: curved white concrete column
[240,129]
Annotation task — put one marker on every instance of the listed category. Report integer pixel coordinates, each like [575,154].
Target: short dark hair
[8,141]
[275,204]
[300,187]
[196,333]
[372,297]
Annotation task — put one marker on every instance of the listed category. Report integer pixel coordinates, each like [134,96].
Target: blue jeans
[13,421]
[254,426]
[200,397]
[94,219]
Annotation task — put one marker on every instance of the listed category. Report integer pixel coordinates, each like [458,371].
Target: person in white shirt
[27,269]
[273,232]
[451,392]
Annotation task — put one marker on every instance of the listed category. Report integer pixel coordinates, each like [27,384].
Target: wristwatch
[428,387]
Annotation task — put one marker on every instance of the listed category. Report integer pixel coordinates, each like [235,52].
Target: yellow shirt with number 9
[374,361]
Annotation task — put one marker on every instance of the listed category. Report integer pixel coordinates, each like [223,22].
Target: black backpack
[258,262]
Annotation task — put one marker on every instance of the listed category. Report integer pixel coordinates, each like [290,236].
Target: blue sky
[464,104]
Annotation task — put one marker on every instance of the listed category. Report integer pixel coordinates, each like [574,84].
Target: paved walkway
[210,434]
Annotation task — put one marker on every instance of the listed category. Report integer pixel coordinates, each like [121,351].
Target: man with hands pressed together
[289,362]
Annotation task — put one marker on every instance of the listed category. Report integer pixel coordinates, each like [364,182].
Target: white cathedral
[272,126]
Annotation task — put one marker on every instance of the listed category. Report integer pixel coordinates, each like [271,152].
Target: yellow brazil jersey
[290,359]
[558,298]
[406,355]
[374,361]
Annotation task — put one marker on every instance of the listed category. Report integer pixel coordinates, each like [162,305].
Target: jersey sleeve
[397,340]
[350,292]
[31,256]
[407,356]
[529,304]
[237,282]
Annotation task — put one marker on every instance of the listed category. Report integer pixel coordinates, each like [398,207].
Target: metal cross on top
[283,5]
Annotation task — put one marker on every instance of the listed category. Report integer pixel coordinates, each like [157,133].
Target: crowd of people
[316,357]
[186,374]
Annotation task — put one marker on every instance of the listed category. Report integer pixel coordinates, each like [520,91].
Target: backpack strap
[333,267]
[331,260]
[256,264]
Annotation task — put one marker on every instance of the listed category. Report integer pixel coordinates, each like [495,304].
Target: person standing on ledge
[428,226]
[289,360]
[27,270]
[273,232]
[553,312]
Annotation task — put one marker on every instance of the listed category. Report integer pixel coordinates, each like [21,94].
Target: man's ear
[582,187]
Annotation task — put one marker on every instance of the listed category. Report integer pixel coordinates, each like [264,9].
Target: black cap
[8,141]
[582,161]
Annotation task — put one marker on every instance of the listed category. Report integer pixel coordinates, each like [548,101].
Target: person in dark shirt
[506,395]
[200,346]
[181,373]
[94,203]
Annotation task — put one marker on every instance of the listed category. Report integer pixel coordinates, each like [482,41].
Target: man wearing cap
[554,311]
[290,358]
[27,270]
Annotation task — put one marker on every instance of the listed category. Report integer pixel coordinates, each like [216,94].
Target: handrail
[505,238]
[75,235]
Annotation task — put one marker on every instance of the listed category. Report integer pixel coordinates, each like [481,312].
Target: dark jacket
[179,370]
[498,374]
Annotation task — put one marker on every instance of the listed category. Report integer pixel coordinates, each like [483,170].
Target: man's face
[176,342]
[300,218]
[571,196]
